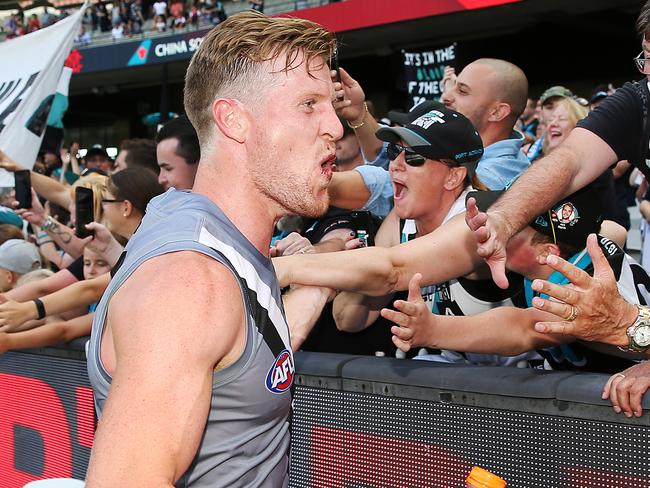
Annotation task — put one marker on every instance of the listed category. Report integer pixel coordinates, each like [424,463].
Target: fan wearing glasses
[433,159]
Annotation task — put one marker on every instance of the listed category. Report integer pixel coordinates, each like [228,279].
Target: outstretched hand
[413,318]
[294,243]
[36,214]
[491,240]
[7,163]
[603,315]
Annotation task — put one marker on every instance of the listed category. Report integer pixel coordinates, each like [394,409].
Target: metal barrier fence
[365,422]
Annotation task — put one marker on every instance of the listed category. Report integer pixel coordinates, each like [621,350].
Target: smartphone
[363,226]
[334,65]
[23,188]
[84,207]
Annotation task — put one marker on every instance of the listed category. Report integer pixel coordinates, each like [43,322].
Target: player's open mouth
[327,166]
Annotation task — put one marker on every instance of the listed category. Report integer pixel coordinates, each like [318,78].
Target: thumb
[471,209]
[414,288]
[273,251]
[346,79]
[498,270]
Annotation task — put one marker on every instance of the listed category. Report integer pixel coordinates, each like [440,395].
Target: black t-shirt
[605,191]
[618,121]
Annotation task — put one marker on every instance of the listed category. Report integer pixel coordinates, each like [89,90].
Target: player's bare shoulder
[181,294]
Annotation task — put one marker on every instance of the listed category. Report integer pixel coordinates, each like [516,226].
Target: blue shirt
[502,162]
[378,182]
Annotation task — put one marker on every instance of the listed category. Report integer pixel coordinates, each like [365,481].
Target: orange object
[481,478]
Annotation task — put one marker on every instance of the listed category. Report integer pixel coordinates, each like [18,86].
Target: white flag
[32,67]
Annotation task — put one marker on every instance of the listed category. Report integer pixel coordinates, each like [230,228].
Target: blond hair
[36,275]
[575,112]
[98,183]
[229,61]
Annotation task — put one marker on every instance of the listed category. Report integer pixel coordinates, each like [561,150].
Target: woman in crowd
[55,192]
[58,330]
[430,182]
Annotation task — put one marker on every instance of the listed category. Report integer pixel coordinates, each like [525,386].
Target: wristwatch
[49,224]
[639,332]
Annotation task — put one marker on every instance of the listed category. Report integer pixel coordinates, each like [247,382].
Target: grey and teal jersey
[246,437]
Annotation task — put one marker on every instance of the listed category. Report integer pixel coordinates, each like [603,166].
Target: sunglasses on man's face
[410,157]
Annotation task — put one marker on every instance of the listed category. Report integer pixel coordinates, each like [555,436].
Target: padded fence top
[574,387]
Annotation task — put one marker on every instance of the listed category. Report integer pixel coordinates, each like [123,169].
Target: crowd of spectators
[376,195]
[126,18]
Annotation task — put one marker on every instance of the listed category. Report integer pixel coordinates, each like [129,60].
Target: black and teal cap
[436,132]
[568,221]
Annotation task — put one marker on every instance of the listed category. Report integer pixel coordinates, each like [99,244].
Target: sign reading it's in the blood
[424,70]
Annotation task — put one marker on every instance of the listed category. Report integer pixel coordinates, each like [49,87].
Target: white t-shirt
[160,8]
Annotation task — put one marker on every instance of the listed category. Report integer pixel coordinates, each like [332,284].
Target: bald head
[508,84]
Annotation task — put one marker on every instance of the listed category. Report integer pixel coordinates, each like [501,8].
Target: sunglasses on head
[410,157]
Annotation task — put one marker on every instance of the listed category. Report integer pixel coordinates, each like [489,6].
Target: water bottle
[481,478]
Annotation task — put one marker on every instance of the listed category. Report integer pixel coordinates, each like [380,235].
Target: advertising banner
[142,52]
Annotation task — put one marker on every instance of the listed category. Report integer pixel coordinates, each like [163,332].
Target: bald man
[492,94]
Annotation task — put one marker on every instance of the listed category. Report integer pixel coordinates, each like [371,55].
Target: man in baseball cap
[17,257]
[97,159]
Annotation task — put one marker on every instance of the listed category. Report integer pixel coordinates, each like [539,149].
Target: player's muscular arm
[167,341]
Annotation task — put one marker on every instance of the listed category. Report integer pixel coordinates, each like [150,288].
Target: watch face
[642,335]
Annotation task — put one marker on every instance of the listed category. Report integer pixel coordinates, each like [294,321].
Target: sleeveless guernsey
[246,437]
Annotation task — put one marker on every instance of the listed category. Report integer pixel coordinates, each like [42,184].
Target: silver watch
[639,332]
[49,224]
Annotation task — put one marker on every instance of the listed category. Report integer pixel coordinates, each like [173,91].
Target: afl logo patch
[280,376]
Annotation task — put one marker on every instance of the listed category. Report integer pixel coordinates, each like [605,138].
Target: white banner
[32,66]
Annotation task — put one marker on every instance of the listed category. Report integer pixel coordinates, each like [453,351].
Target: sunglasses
[410,157]
[640,61]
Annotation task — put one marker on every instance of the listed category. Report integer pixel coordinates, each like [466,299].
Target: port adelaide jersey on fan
[461,296]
